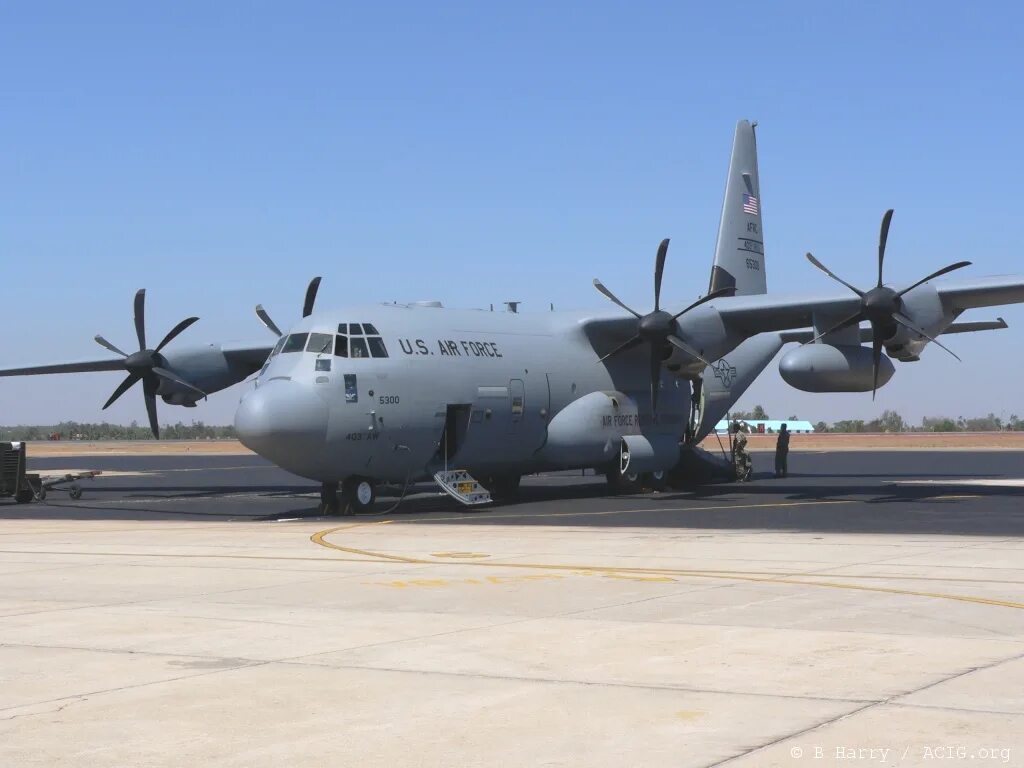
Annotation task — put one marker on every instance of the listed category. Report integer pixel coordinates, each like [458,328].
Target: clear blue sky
[221,154]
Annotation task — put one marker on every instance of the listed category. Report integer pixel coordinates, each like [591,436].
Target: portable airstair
[462,487]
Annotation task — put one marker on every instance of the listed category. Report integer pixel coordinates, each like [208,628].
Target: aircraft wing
[755,314]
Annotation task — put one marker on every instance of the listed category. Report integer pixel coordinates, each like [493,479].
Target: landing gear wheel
[358,494]
[656,481]
[329,499]
[75,492]
[622,483]
[503,487]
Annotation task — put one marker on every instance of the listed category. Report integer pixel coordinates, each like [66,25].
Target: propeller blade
[876,361]
[600,286]
[636,340]
[659,268]
[140,317]
[149,390]
[261,313]
[678,343]
[883,236]
[104,343]
[123,387]
[727,291]
[906,323]
[939,273]
[655,376]
[175,331]
[163,373]
[851,320]
[307,305]
[833,275]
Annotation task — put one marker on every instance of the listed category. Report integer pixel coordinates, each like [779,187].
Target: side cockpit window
[295,343]
[277,347]
[359,340]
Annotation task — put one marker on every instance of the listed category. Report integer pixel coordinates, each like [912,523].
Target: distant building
[768,426]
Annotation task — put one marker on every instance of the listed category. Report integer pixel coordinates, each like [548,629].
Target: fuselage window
[320,343]
[341,344]
[295,342]
[377,346]
[277,347]
[357,347]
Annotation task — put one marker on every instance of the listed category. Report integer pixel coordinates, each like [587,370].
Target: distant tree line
[73,430]
[891,421]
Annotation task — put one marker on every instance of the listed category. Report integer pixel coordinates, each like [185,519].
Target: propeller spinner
[658,328]
[147,365]
[882,306]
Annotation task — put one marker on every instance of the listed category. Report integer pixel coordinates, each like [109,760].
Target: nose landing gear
[357,496]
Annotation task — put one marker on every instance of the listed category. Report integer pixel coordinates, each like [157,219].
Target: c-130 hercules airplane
[476,399]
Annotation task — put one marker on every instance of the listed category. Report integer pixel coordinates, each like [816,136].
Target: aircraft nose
[285,422]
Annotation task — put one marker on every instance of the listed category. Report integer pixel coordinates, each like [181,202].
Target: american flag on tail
[750,204]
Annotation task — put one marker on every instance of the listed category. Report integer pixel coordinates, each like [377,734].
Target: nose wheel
[357,495]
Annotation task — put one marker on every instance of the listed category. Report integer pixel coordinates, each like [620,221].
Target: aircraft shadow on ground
[767,503]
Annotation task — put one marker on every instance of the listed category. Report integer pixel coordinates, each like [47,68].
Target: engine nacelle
[833,368]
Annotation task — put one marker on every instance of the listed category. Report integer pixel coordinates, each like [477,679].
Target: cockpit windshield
[320,343]
[295,343]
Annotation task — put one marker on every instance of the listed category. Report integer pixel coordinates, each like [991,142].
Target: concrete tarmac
[196,610]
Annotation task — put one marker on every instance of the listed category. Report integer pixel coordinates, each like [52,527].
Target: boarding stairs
[462,487]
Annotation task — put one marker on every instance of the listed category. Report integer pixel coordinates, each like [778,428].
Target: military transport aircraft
[476,399]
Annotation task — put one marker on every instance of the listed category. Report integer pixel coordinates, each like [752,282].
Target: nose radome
[283,421]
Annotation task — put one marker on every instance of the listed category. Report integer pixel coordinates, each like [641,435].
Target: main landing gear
[356,497]
[634,482]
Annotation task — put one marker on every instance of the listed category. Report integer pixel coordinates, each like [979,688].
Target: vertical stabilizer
[739,254]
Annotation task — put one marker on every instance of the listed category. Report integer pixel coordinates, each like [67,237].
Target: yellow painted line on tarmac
[796,579]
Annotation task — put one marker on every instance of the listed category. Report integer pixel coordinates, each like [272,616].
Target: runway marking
[996,482]
[797,579]
[460,555]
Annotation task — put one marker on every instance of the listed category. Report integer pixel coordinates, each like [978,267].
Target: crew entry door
[517,403]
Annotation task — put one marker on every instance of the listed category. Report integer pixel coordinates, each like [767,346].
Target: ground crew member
[740,457]
[782,452]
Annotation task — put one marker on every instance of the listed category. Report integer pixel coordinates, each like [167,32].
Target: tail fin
[727,379]
[739,254]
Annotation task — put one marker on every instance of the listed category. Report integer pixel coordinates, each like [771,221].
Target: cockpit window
[343,328]
[370,329]
[277,347]
[320,343]
[376,346]
[355,328]
[341,344]
[357,347]
[295,343]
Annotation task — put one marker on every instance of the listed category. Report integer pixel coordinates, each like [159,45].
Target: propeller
[307,307]
[148,365]
[882,306]
[658,328]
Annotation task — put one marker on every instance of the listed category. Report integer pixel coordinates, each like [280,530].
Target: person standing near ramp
[782,452]
[740,458]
